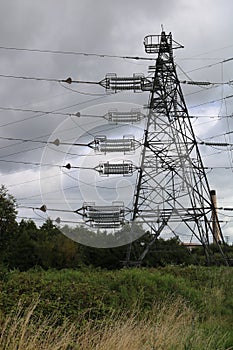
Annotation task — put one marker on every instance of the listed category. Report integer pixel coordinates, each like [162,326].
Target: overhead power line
[28,163]
[61,52]
[44,209]
[67,166]
[204,83]
[77,114]
[67,80]
[212,65]
[221,144]
[55,142]
[57,220]
[222,134]
[104,82]
[213,101]
[55,111]
[101,55]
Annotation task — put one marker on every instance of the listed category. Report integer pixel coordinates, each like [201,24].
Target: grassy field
[167,308]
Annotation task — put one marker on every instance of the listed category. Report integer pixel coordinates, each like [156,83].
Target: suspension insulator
[125,168]
[134,116]
[104,145]
[104,216]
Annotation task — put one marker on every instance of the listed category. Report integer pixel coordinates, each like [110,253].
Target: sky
[104,27]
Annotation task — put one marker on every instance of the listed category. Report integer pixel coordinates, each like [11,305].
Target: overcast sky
[109,27]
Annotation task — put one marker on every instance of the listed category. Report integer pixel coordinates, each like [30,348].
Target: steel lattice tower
[172,187]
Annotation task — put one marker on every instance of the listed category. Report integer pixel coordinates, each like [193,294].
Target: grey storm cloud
[204,27]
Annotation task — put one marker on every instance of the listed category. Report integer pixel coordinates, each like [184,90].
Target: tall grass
[168,326]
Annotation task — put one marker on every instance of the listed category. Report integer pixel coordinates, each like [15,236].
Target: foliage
[170,325]
[23,245]
[85,285]
[195,300]
[8,223]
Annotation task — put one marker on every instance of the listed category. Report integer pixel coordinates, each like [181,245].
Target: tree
[22,251]
[54,250]
[8,224]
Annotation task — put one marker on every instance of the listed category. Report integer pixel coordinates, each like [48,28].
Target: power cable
[221,144]
[68,80]
[76,53]
[59,109]
[200,83]
[44,209]
[56,142]
[218,135]
[57,220]
[99,181]
[101,83]
[54,111]
[213,101]
[204,83]
[79,167]
[203,89]
[29,181]
[80,92]
[67,166]
[19,152]
[214,50]
[211,65]
[101,55]
[28,163]
[77,114]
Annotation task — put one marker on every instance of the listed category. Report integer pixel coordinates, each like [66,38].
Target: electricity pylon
[172,194]
[172,191]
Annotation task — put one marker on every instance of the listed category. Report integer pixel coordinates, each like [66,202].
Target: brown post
[215,224]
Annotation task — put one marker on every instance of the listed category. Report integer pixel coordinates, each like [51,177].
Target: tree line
[24,245]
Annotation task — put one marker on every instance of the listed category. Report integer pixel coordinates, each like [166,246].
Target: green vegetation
[177,307]
[23,246]
[169,326]
[58,294]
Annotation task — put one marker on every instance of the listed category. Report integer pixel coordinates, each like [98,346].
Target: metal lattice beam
[172,185]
